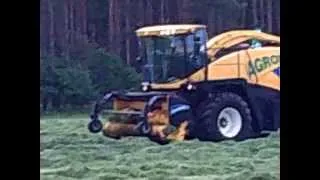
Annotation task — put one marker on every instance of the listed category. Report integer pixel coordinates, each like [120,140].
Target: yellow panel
[219,72]
[173,85]
[120,104]
[233,65]
[230,38]
[158,117]
[224,38]
[270,80]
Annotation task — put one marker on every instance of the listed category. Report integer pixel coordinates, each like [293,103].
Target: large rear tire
[227,116]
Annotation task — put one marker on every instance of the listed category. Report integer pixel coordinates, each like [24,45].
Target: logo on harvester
[260,64]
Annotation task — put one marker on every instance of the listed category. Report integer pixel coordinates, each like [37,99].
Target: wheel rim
[96,126]
[229,122]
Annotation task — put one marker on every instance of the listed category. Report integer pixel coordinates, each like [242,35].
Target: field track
[69,152]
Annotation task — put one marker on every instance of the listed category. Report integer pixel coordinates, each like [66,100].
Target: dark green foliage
[62,83]
[76,85]
[110,73]
[75,82]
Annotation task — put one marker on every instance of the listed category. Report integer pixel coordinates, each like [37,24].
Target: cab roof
[168,29]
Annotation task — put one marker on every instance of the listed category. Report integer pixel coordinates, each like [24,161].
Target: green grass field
[69,151]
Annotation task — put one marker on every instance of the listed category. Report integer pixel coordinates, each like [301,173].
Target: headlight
[144,88]
[189,87]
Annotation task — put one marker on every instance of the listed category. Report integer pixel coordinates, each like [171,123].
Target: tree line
[76,34]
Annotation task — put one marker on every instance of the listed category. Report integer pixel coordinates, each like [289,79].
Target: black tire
[146,131]
[207,124]
[159,140]
[95,126]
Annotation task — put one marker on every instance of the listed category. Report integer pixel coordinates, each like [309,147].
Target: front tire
[95,126]
[227,116]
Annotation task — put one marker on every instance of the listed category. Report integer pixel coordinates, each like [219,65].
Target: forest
[88,47]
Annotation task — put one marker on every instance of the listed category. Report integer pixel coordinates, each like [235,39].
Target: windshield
[172,57]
